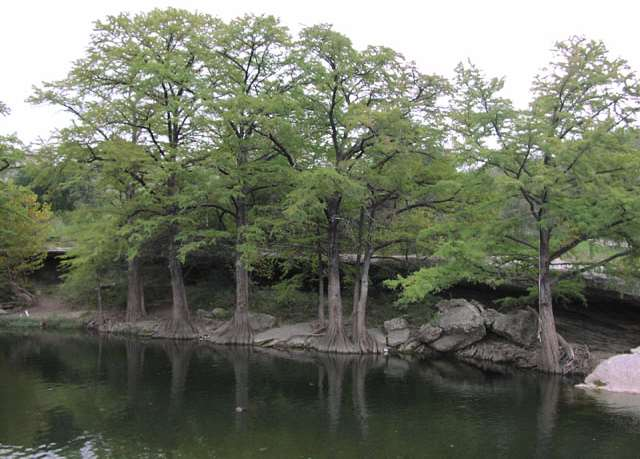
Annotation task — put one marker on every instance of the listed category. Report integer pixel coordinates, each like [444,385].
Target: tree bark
[180,325]
[321,315]
[549,359]
[363,341]
[238,329]
[135,292]
[335,338]
[100,310]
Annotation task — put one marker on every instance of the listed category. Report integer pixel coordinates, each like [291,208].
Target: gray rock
[396,338]
[497,350]
[462,324]
[520,327]
[490,315]
[2,311]
[260,322]
[398,323]
[215,314]
[454,303]
[429,333]
[220,313]
[620,373]
[397,331]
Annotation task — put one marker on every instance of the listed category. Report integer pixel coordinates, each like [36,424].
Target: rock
[454,303]
[620,373]
[462,324]
[398,323]
[397,331]
[489,315]
[411,345]
[635,350]
[260,321]
[428,333]
[520,327]
[496,350]
[2,311]
[281,334]
[396,338]
[220,313]
[215,314]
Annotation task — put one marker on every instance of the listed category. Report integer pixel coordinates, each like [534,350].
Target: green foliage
[544,180]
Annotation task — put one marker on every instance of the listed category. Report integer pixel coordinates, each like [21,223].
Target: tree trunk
[335,339]
[99,299]
[321,316]
[238,329]
[180,325]
[358,275]
[135,292]
[549,360]
[363,341]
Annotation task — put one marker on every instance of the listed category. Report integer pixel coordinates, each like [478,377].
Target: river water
[85,396]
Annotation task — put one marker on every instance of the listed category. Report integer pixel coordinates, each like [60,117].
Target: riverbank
[466,330]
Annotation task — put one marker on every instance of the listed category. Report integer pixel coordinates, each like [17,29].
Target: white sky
[39,39]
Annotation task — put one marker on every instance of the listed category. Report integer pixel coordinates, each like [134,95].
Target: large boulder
[260,321]
[520,327]
[497,350]
[429,333]
[462,324]
[397,331]
[620,373]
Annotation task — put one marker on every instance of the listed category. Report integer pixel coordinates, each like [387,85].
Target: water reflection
[110,396]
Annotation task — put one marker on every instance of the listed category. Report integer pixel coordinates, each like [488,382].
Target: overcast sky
[39,39]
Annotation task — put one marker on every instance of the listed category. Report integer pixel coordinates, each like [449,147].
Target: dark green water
[83,396]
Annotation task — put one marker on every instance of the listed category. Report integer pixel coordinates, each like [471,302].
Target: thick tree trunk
[322,321]
[335,339]
[180,325]
[358,274]
[135,292]
[238,329]
[363,341]
[549,359]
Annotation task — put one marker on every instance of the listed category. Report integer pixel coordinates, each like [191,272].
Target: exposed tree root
[335,341]
[367,344]
[234,332]
[180,329]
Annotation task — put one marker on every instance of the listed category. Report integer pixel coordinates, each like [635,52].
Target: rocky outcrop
[461,322]
[397,331]
[496,350]
[474,333]
[520,327]
[620,373]
[429,333]
[260,321]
